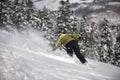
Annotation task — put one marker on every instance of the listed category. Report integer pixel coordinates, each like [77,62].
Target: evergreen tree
[30,3]
[47,25]
[117,48]
[107,54]
[66,22]
[4,0]
[1,14]
[32,15]
[16,2]
[89,33]
[6,12]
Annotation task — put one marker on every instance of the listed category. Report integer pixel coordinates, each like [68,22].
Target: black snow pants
[73,47]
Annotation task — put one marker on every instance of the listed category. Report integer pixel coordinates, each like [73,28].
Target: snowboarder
[70,42]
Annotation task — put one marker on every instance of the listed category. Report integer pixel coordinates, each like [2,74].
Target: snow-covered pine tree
[117,48]
[4,0]
[66,21]
[32,15]
[6,12]
[107,53]
[1,14]
[46,23]
[16,2]
[89,33]
[16,16]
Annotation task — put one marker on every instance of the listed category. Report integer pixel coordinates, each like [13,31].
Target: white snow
[50,4]
[96,7]
[114,3]
[110,15]
[27,56]
[54,4]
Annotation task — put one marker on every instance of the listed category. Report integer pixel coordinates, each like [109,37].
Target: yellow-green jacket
[64,39]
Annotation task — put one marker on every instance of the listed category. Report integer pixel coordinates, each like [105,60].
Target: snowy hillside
[95,9]
[54,4]
[27,56]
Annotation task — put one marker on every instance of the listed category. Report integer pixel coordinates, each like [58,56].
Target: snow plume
[27,55]
[30,40]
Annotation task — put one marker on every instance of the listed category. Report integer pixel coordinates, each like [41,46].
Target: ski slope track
[27,56]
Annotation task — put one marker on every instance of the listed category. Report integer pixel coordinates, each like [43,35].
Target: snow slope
[27,56]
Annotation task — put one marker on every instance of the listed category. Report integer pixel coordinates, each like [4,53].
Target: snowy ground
[27,56]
